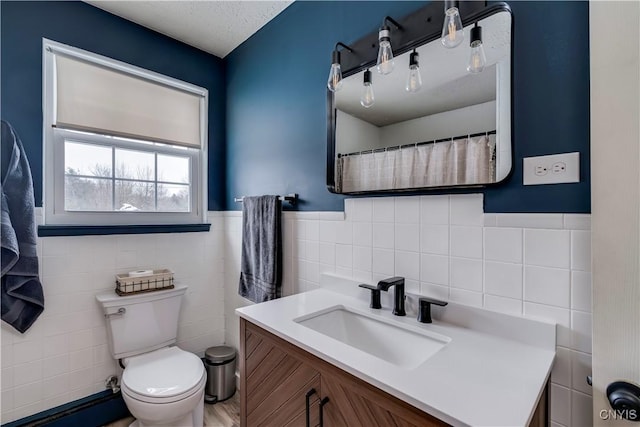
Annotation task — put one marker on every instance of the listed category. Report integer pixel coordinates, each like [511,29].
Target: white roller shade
[94,98]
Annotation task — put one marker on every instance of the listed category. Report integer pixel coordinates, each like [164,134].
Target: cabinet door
[354,404]
[274,384]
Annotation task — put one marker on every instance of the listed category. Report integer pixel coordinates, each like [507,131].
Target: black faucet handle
[375,295]
[424,308]
[424,300]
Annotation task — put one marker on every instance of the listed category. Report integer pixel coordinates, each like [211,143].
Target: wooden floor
[222,414]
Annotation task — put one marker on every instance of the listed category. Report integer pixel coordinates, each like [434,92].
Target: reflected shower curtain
[465,161]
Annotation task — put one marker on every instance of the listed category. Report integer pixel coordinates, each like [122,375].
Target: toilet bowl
[162,385]
[164,388]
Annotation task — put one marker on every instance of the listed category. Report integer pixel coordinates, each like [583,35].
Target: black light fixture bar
[393,21]
[344,46]
[419,27]
[335,56]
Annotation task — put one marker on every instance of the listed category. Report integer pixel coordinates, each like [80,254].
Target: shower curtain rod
[417,144]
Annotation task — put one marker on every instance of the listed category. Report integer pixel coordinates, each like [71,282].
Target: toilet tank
[142,322]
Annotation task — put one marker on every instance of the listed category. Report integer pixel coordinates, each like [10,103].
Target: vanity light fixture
[385,61]
[367,98]
[414,80]
[452,30]
[477,60]
[334,83]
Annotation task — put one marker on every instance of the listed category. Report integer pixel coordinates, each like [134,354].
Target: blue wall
[276,101]
[24,24]
[275,92]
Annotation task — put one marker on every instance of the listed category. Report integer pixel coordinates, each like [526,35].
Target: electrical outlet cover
[552,169]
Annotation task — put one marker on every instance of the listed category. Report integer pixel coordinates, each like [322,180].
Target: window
[122,145]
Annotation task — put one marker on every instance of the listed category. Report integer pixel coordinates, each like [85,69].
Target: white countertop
[491,373]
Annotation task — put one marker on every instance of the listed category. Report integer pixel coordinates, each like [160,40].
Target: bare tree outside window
[134,185]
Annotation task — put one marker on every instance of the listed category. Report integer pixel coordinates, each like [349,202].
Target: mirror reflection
[455,130]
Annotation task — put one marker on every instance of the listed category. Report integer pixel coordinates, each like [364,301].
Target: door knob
[624,398]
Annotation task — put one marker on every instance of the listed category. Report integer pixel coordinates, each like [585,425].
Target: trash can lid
[220,353]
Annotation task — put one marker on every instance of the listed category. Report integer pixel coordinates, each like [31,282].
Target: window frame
[60,136]
[54,138]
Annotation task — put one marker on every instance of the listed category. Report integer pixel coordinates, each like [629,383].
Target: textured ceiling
[216,27]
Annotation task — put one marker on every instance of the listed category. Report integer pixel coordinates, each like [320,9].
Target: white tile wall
[547,248]
[434,269]
[503,244]
[65,356]
[466,242]
[526,264]
[502,279]
[503,304]
[434,239]
[550,286]
[581,290]
[561,405]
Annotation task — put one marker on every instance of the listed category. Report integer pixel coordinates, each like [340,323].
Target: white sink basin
[396,343]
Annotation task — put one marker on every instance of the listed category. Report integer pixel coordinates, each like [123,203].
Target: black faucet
[398,304]
[424,309]
[375,295]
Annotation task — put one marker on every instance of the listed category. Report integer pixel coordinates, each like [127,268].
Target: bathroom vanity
[324,358]
[283,384]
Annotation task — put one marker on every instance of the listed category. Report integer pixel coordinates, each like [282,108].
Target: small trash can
[220,363]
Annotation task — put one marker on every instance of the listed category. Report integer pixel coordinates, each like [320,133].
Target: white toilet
[161,385]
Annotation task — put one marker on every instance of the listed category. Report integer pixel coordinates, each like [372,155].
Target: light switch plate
[552,169]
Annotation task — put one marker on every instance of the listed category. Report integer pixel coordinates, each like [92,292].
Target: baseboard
[95,410]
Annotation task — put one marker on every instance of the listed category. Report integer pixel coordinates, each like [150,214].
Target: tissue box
[156,280]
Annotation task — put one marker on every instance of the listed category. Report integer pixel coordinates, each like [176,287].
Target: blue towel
[261,262]
[21,290]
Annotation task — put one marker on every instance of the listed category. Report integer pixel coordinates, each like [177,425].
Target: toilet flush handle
[120,312]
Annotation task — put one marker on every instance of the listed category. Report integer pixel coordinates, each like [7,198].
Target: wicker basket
[158,280]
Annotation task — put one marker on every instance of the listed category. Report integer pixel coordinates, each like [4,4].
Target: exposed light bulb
[477,59]
[367,99]
[414,80]
[452,30]
[334,83]
[385,62]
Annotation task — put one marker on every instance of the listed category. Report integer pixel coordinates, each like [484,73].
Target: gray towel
[21,290]
[261,263]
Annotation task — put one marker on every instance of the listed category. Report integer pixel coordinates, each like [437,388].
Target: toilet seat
[160,400]
[163,376]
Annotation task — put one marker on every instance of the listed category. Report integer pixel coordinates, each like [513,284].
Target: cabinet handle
[310,393]
[321,406]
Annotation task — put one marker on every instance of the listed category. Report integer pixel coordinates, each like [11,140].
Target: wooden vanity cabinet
[353,403]
[276,377]
[274,383]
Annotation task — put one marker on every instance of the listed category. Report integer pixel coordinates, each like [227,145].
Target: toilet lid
[163,373]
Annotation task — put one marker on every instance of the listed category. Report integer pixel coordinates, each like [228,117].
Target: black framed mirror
[455,131]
